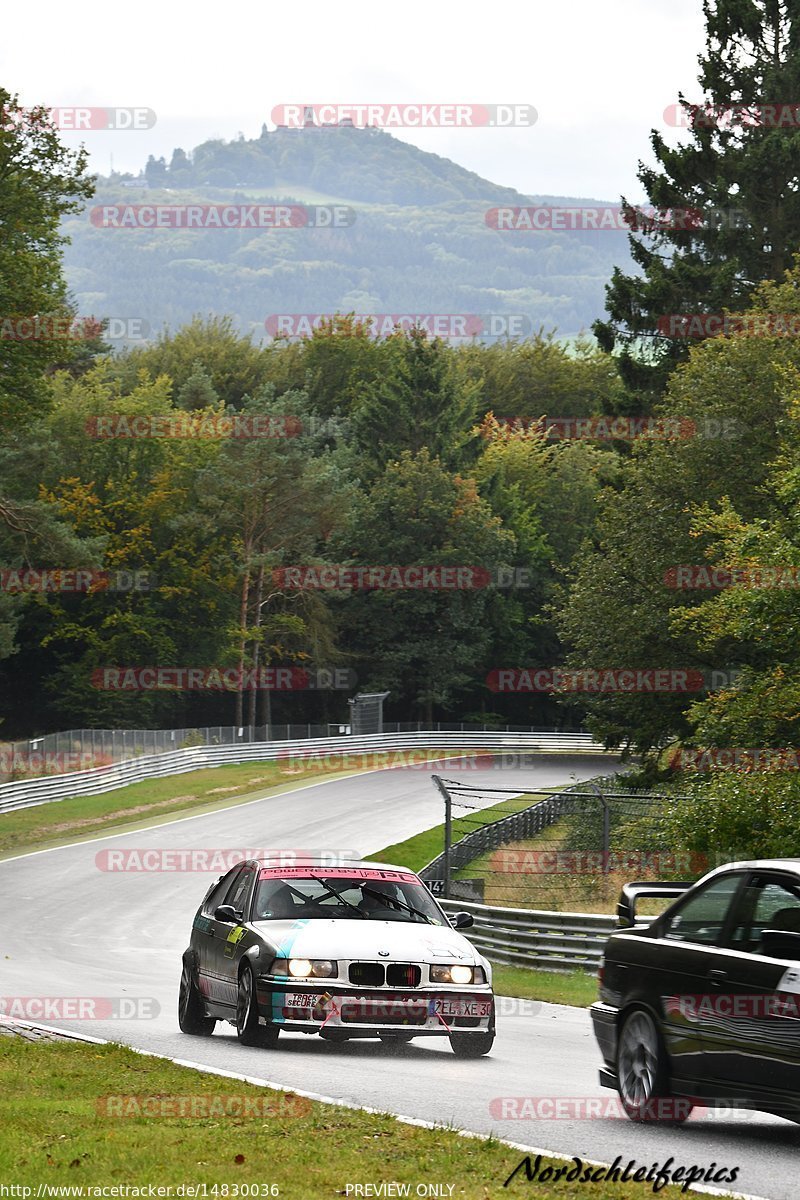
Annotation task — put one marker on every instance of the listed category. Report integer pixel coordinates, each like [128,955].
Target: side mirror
[780,943]
[461,920]
[226,912]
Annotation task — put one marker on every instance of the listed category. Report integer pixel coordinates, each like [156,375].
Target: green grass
[82,817]
[54,1130]
[578,988]
[417,851]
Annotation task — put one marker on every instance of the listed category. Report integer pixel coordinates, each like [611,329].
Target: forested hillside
[419,242]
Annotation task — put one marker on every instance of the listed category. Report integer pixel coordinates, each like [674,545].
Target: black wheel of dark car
[471,1045]
[395,1039]
[248,1029]
[191,1009]
[643,1074]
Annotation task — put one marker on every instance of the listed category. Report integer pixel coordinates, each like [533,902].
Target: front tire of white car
[248,1028]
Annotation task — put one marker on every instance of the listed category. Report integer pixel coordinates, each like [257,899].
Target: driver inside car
[370,902]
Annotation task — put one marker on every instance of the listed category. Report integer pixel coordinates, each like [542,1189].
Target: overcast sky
[599,74]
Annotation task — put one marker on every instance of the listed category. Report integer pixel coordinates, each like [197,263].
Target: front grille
[367,974]
[403,975]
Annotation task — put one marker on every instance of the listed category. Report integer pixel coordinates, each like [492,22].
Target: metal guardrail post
[448,832]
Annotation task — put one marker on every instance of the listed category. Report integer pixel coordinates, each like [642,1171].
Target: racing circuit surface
[72,929]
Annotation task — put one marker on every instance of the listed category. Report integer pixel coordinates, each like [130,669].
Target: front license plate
[457,1007]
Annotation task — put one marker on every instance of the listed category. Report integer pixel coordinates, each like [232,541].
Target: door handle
[717,976]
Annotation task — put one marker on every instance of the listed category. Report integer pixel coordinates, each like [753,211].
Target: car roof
[323,860]
[760,864]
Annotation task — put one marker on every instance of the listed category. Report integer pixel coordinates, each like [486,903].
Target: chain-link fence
[559,851]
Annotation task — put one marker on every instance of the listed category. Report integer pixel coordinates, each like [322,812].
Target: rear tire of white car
[471,1045]
[248,1029]
[191,1009]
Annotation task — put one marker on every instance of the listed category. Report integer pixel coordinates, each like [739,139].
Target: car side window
[701,918]
[216,896]
[768,902]
[237,895]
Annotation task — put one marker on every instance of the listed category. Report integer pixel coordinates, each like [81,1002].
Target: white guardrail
[26,793]
[524,937]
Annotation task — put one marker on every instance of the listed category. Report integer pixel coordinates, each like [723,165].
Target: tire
[471,1045]
[248,1029]
[643,1073]
[191,1009]
[391,1038]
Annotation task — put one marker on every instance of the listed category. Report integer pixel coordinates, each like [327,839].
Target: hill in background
[419,242]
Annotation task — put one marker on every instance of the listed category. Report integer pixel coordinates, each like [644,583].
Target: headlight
[305,968]
[452,973]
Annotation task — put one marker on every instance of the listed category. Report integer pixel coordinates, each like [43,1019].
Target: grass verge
[55,1131]
[82,817]
[417,851]
[578,988]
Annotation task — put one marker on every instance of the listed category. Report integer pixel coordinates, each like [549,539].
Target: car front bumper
[312,1007]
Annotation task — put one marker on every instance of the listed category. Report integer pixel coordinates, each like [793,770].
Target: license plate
[299,1000]
[457,1007]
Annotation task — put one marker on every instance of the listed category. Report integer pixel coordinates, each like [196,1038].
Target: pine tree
[728,200]
[198,390]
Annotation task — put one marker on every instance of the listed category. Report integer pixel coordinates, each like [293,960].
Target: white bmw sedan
[355,950]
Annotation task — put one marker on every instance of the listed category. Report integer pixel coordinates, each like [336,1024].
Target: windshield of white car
[322,895]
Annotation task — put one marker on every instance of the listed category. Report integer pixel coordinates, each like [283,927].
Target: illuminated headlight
[452,973]
[317,968]
[305,968]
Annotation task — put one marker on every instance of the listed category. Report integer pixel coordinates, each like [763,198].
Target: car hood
[354,939]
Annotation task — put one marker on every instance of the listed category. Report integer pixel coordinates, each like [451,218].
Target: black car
[702,1004]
